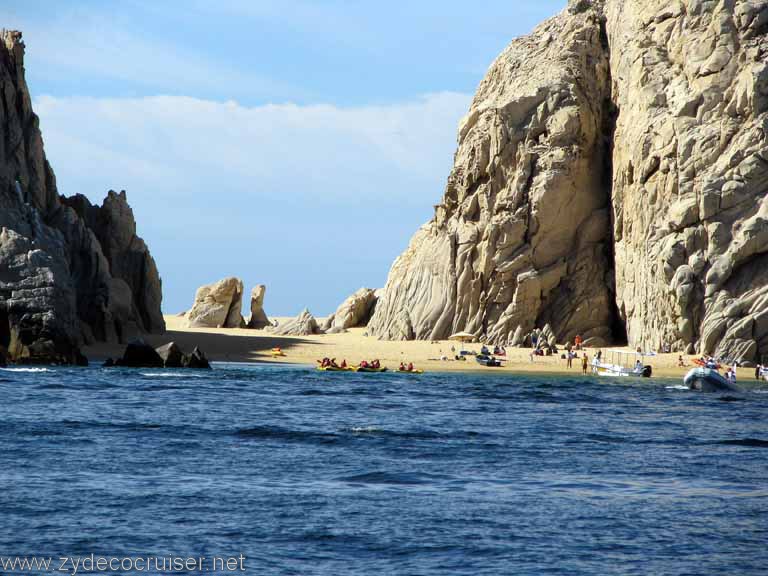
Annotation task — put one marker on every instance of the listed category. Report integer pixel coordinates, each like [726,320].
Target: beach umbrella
[462,337]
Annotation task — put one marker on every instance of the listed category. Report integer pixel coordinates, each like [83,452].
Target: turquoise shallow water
[304,472]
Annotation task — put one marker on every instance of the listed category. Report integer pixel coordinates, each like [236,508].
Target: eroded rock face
[355,311]
[258,319]
[59,287]
[690,173]
[613,166]
[303,325]
[218,305]
[521,237]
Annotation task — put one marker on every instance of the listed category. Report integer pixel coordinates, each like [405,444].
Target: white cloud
[213,180]
[99,48]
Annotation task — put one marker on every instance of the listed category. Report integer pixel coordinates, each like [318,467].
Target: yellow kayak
[334,369]
[361,369]
[410,371]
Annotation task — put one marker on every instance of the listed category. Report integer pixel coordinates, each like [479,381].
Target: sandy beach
[244,345]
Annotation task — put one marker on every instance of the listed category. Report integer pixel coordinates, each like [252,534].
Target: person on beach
[758,371]
[569,356]
[577,342]
[584,363]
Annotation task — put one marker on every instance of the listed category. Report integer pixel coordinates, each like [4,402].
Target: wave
[26,369]
[394,478]
[414,434]
[677,387]
[284,434]
[170,375]
[750,442]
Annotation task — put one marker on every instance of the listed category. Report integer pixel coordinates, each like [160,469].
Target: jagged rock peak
[611,177]
[71,276]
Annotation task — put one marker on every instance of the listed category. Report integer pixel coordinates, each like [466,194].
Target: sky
[289,143]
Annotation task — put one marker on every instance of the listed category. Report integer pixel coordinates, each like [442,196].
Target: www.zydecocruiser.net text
[94,564]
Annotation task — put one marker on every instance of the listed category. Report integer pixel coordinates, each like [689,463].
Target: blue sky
[295,144]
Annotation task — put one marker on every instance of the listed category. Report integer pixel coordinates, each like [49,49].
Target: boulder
[355,311]
[196,360]
[171,355]
[139,354]
[218,305]
[303,325]
[258,319]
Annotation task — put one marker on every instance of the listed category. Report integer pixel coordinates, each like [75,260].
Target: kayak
[410,371]
[361,369]
[277,353]
[334,369]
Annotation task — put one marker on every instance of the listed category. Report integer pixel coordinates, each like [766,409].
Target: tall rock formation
[218,305]
[690,173]
[69,272]
[522,235]
[611,180]
[258,318]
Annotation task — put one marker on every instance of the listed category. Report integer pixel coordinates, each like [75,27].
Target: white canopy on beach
[462,337]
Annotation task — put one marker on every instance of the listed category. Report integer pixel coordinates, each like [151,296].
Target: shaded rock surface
[355,311]
[611,180]
[258,319]
[69,272]
[171,355]
[303,325]
[139,354]
[218,305]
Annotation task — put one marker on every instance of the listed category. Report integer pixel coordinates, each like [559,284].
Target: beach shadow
[218,347]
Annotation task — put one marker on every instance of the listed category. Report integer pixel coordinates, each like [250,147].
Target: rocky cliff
[70,272]
[610,180]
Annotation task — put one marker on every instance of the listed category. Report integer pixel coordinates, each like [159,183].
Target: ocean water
[304,472]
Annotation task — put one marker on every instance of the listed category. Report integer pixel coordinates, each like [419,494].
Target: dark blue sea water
[304,472]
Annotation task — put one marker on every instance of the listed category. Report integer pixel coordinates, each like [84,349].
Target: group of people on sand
[497,351]
[571,355]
